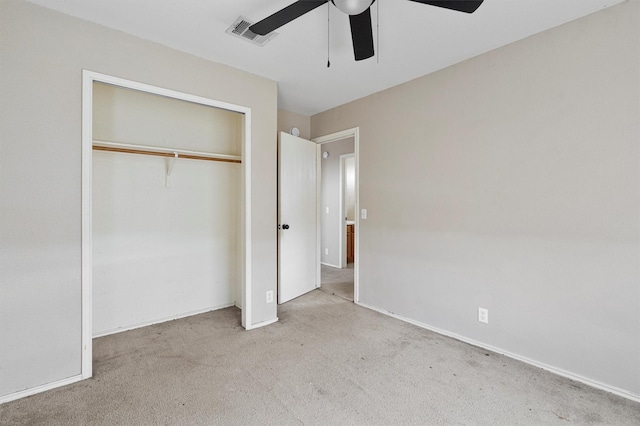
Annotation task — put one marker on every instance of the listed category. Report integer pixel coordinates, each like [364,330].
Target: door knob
[285,226]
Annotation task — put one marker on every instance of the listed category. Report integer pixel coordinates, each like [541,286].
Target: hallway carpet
[337,281]
[326,362]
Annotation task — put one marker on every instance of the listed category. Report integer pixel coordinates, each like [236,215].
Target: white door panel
[297,213]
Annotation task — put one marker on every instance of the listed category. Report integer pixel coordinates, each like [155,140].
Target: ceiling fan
[359,17]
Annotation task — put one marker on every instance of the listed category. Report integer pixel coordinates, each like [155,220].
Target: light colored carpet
[337,281]
[326,362]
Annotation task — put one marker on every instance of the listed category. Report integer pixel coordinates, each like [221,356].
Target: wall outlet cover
[483,315]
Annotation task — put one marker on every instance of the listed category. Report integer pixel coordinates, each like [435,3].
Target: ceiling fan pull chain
[377,32]
[328,34]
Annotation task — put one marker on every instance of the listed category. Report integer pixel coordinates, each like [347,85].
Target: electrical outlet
[483,315]
[269,296]
[327,210]
[326,251]
[364,213]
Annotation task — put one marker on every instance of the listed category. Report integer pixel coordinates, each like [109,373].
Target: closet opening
[166,209]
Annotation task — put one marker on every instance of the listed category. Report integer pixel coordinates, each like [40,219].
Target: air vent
[240,28]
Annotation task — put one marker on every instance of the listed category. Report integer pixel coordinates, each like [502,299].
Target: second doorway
[337,217]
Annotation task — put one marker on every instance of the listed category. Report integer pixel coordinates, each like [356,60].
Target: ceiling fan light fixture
[359,19]
[352,7]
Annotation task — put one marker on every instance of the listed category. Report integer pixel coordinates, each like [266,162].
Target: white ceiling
[414,39]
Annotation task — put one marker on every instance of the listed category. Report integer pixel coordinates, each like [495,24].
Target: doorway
[337,214]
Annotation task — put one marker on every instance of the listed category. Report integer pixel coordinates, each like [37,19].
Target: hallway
[338,282]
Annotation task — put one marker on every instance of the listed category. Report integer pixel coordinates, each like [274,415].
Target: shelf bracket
[169,169]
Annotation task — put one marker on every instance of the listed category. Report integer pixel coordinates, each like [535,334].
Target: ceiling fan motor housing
[352,7]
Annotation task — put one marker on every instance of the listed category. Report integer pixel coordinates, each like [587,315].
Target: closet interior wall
[163,251]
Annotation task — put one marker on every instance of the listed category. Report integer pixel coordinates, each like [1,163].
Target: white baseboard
[41,388]
[158,321]
[68,381]
[262,324]
[330,264]
[559,371]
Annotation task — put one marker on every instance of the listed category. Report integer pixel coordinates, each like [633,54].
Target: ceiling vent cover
[240,28]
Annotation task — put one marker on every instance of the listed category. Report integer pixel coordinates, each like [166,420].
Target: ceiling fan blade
[362,35]
[468,6]
[284,16]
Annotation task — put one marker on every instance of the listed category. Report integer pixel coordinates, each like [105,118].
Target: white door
[297,213]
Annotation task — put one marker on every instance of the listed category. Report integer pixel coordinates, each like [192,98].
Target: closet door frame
[88,80]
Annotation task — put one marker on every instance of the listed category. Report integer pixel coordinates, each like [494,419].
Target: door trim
[88,79]
[333,137]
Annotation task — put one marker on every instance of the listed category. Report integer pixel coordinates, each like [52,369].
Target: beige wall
[288,119]
[511,182]
[43,54]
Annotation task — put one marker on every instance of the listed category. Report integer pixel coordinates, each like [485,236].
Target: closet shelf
[163,152]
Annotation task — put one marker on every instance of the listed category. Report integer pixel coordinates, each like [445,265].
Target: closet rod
[163,152]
